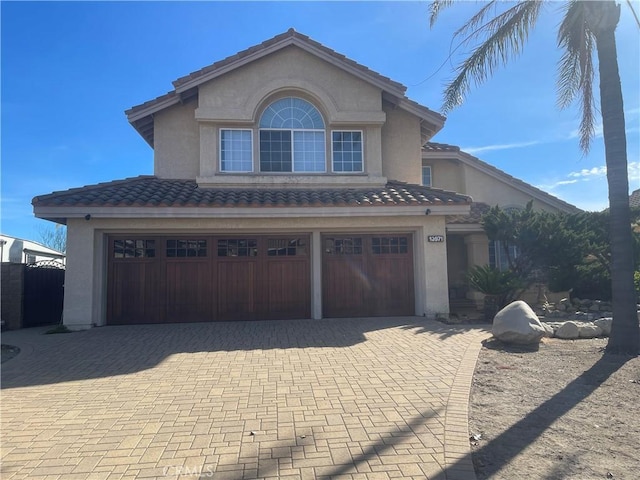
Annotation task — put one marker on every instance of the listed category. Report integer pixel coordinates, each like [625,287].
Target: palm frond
[476,20]
[505,37]
[435,8]
[576,69]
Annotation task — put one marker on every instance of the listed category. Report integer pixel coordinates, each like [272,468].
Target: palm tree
[586,26]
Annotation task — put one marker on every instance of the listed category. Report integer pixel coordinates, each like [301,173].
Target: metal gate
[43,293]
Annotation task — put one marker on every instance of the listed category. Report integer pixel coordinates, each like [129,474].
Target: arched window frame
[292,137]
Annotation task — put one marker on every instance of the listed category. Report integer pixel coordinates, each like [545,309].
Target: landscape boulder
[605,325]
[568,331]
[517,323]
[589,330]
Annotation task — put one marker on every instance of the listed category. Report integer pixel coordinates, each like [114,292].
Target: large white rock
[589,330]
[605,325]
[517,323]
[568,331]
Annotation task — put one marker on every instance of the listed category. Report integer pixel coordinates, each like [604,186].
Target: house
[18,250]
[288,183]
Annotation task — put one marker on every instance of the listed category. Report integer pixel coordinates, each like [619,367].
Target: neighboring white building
[18,250]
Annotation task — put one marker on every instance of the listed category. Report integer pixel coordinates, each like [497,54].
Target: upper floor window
[236,150]
[347,151]
[292,137]
[426,175]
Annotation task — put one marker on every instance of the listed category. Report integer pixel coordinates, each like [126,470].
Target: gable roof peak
[285,39]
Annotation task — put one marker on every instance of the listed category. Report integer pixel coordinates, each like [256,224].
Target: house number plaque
[435,238]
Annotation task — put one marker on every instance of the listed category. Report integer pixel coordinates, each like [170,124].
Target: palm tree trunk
[625,332]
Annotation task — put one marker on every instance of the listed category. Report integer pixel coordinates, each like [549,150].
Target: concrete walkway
[352,398]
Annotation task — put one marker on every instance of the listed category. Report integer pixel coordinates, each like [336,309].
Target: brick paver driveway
[352,398]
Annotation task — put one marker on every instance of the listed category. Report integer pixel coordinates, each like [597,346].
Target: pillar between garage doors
[316,276]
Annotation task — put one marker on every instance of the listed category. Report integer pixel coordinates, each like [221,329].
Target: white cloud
[588,174]
[593,172]
[504,146]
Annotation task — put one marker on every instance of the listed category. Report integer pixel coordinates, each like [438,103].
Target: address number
[435,238]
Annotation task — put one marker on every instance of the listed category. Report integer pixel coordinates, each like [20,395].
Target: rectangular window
[275,151]
[426,175]
[292,151]
[286,247]
[347,151]
[389,245]
[238,247]
[236,150]
[343,246]
[308,151]
[186,248]
[498,257]
[134,248]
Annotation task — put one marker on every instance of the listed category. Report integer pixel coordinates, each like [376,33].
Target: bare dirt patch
[564,411]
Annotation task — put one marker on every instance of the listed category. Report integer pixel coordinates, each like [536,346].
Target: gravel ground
[563,411]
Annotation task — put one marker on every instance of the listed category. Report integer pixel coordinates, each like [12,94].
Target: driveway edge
[457,449]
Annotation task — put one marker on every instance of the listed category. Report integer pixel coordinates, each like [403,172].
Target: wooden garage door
[367,275]
[208,278]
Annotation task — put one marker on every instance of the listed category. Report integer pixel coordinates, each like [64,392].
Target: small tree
[55,238]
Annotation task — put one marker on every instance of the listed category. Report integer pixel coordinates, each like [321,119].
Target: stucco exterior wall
[237,99]
[177,142]
[85,292]
[446,174]
[401,146]
[237,95]
[487,189]
[81,277]
[452,174]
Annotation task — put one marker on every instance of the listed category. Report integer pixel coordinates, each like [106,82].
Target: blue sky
[70,69]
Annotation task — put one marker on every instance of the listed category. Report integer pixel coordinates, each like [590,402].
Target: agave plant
[499,287]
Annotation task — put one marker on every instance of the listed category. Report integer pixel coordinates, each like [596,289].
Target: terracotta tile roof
[478,209]
[439,147]
[150,191]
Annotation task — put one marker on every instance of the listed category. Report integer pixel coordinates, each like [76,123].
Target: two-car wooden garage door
[188,278]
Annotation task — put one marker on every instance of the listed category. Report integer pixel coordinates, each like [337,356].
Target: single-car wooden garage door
[367,275]
[189,278]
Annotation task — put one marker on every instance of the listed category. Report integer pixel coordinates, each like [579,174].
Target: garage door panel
[368,275]
[207,278]
[345,286]
[189,291]
[392,281]
[136,295]
[287,289]
[236,292]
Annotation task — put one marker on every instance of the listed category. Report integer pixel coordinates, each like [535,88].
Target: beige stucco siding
[85,300]
[454,175]
[238,94]
[401,146]
[485,188]
[177,142]
[446,174]
[238,98]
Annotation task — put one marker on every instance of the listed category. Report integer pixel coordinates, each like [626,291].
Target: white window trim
[220,130]
[293,163]
[430,175]
[363,154]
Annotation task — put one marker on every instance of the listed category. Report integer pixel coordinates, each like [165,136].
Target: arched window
[292,137]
